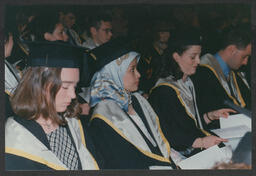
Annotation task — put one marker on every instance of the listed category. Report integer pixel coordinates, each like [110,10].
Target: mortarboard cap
[102,55]
[187,36]
[109,51]
[54,54]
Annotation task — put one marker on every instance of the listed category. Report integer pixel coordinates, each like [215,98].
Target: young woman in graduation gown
[124,128]
[45,133]
[174,100]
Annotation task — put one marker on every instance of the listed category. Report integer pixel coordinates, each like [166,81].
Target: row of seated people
[123,130]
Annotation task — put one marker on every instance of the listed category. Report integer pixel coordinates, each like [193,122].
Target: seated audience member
[215,79]
[45,134]
[151,52]
[47,26]
[123,126]
[68,19]
[12,75]
[173,97]
[20,31]
[100,30]
[95,58]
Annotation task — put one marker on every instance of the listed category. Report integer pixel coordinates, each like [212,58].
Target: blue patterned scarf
[108,82]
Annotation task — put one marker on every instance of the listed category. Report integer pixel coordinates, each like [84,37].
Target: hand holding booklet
[207,158]
[235,126]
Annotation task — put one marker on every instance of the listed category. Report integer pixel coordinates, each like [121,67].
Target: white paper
[232,132]
[206,159]
[233,142]
[160,168]
[236,120]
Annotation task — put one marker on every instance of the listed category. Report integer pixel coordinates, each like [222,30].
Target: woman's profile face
[189,59]
[131,77]
[69,78]
[58,34]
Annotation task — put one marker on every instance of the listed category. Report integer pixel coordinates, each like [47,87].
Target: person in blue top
[215,80]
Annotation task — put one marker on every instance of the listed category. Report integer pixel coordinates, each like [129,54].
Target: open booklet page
[234,128]
[235,120]
[207,158]
[232,132]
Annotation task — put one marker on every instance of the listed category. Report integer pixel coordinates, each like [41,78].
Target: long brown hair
[35,95]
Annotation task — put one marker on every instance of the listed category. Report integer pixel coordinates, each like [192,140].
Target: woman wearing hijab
[123,126]
[45,134]
[174,100]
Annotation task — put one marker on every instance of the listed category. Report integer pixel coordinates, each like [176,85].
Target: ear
[93,31]
[232,49]
[176,56]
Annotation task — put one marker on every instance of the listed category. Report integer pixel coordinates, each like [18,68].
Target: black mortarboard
[187,36]
[102,55]
[110,51]
[54,54]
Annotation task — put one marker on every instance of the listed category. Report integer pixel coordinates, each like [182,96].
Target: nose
[72,93]
[137,73]
[197,60]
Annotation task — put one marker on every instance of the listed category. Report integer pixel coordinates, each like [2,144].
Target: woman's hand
[207,141]
[214,115]
[210,141]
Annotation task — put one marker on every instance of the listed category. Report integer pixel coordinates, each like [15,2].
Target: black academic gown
[17,160]
[147,66]
[210,93]
[19,54]
[178,127]
[117,152]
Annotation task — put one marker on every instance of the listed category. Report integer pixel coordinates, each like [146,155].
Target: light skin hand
[207,141]
[215,115]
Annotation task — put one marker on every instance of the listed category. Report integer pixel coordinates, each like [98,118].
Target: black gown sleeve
[14,162]
[117,152]
[179,128]
[209,93]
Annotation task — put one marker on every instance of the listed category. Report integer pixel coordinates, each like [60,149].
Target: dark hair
[35,95]
[182,41]
[95,21]
[240,37]
[45,22]
[168,65]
